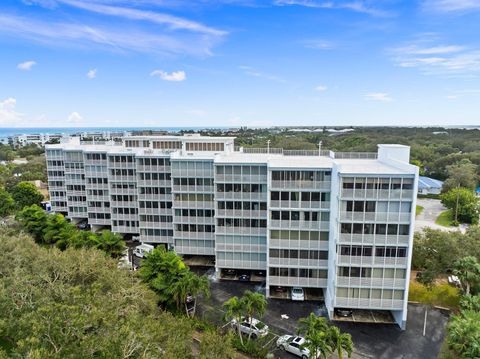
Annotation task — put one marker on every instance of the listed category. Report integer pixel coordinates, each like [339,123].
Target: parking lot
[370,340]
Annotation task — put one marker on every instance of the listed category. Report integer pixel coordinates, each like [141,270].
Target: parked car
[141,250]
[251,326]
[83,226]
[343,312]
[298,294]
[292,344]
[454,280]
[244,277]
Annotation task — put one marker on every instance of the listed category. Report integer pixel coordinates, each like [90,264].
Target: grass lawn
[419,210]
[445,219]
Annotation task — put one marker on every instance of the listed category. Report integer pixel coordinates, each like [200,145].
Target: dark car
[343,312]
[244,277]
[83,226]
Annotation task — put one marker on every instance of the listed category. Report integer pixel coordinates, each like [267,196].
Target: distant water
[5,132]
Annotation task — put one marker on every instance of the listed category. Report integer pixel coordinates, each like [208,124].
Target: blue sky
[239,62]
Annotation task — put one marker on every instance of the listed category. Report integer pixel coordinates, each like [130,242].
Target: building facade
[339,224]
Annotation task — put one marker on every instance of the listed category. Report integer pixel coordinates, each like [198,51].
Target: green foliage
[6,153]
[26,194]
[34,220]
[461,174]
[215,346]
[322,339]
[166,274]
[470,302]
[30,150]
[418,210]
[78,304]
[445,219]
[463,203]
[464,334]
[443,295]
[435,252]
[468,271]
[254,348]
[7,204]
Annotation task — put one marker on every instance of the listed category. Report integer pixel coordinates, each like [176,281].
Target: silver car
[251,326]
[292,344]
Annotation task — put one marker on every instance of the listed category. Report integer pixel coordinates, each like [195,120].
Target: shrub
[443,295]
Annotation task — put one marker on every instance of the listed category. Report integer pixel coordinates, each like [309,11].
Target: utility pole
[320,148]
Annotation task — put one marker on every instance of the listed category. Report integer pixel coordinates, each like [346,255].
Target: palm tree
[340,342]
[111,243]
[234,309]
[312,324]
[160,261]
[189,283]
[468,271]
[317,345]
[254,303]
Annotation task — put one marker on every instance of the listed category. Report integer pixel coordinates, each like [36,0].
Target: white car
[292,344]
[251,325]
[298,294]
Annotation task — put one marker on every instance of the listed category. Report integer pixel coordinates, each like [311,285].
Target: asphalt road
[371,340]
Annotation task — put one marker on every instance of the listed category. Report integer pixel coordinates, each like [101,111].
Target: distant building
[427,185]
[39,139]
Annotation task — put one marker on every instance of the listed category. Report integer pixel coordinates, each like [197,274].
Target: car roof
[299,340]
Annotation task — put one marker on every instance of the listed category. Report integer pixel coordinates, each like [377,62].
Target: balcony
[390,239]
[195,250]
[371,260]
[297,282]
[153,169]
[189,189]
[254,231]
[300,204]
[193,235]
[240,264]
[308,185]
[193,173]
[249,196]
[361,303]
[193,204]
[155,197]
[376,194]
[193,220]
[249,248]
[375,216]
[241,178]
[245,213]
[298,262]
[153,183]
[319,225]
[298,244]
[389,283]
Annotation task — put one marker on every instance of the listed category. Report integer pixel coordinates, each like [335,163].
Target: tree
[470,302]
[253,304]
[187,284]
[26,194]
[464,334]
[234,309]
[340,342]
[215,346]
[109,242]
[78,304]
[34,220]
[468,271]
[57,229]
[7,204]
[315,331]
[464,204]
[461,174]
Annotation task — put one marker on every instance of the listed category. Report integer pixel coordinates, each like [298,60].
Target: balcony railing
[298,244]
[375,216]
[376,194]
[243,213]
[254,196]
[255,231]
[297,282]
[390,239]
[317,225]
[241,178]
[369,303]
[312,185]
[371,260]
[298,262]
[300,204]
[396,283]
[177,188]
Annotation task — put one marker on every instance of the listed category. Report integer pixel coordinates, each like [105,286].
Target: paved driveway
[432,209]
[382,341]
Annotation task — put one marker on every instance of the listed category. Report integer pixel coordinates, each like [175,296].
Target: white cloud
[318,44]
[250,71]
[105,35]
[75,118]
[172,76]
[8,115]
[438,59]
[321,88]
[26,66]
[446,6]
[378,96]
[91,74]
[354,5]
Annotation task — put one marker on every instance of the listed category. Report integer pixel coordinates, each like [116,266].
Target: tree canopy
[26,194]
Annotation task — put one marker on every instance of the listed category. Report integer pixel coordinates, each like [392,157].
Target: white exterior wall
[241,237]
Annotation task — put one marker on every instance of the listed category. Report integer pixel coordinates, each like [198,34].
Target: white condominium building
[339,224]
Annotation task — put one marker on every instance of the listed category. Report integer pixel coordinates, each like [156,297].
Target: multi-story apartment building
[336,223]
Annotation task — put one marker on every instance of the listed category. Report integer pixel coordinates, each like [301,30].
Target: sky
[173,63]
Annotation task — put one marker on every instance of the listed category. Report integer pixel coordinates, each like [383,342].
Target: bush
[443,295]
[253,348]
